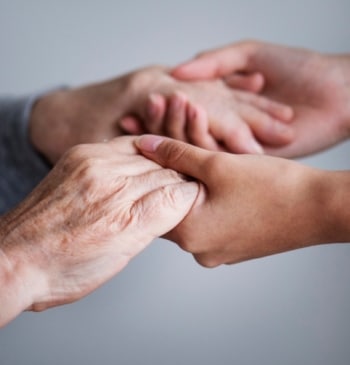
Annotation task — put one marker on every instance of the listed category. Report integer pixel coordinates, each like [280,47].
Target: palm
[315,87]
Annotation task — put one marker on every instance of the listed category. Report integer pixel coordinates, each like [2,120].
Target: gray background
[164,308]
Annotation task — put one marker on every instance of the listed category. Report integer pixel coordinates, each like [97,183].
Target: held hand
[88,114]
[212,116]
[316,86]
[99,207]
[248,206]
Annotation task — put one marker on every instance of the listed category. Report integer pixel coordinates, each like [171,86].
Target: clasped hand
[99,207]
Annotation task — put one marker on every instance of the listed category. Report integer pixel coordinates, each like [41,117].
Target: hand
[99,207]
[212,116]
[251,206]
[316,86]
[89,114]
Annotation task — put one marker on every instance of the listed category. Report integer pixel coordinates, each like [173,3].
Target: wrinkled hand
[99,207]
[316,86]
[88,114]
[211,115]
[248,206]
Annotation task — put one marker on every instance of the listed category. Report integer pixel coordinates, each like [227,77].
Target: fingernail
[149,142]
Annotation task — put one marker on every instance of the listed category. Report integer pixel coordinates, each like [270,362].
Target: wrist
[48,125]
[342,63]
[21,281]
[334,200]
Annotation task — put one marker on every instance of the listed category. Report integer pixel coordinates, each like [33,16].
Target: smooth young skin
[232,120]
[316,86]
[99,207]
[252,206]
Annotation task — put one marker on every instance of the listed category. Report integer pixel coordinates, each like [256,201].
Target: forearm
[87,114]
[21,167]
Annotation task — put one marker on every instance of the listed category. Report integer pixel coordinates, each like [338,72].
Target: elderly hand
[99,207]
[210,115]
[253,206]
[316,86]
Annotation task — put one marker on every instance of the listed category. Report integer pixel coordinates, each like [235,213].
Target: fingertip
[254,82]
[243,141]
[182,71]
[257,82]
[131,125]
[177,101]
[254,147]
[288,113]
[148,142]
[197,69]
[155,106]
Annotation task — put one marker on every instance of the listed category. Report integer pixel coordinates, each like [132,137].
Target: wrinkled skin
[100,206]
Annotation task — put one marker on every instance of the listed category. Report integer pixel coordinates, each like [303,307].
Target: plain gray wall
[164,308]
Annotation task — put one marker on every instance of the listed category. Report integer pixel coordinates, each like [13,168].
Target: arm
[36,131]
[100,206]
[20,165]
[253,206]
[315,85]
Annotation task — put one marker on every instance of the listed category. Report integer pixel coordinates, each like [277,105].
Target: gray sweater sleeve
[21,167]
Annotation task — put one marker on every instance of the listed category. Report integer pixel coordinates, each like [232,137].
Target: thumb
[253,82]
[216,63]
[173,154]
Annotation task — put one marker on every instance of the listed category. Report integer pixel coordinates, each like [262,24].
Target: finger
[267,129]
[175,119]
[120,145]
[116,147]
[274,108]
[144,183]
[131,125]
[254,82]
[197,128]
[155,113]
[217,63]
[161,210]
[179,156]
[238,138]
[123,165]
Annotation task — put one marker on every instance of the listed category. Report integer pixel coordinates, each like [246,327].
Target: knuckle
[173,152]
[88,174]
[216,165]
[88,167]
[77,153]
[170,196]
[172,175]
